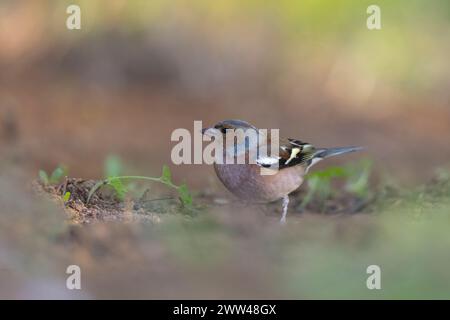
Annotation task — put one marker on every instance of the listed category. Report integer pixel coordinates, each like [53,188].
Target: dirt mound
[102,206]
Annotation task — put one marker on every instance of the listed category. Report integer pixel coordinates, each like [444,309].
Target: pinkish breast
[247,182]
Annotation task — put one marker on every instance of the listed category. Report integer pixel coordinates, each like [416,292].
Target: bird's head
[225,125]
[236,137]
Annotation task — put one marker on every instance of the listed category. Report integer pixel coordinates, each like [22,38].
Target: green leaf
[320,186]
[113,166]
[57,174]
[185,196]
[43,177]
[166,175]
[314,182]
[67,196]
[329,173]
[358,182]
[309,195]
[119,188]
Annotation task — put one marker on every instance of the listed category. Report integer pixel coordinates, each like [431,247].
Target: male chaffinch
[293,161]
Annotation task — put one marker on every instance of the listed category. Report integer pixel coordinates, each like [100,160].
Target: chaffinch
[288,167]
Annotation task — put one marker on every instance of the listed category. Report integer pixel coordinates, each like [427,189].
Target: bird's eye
[222,129]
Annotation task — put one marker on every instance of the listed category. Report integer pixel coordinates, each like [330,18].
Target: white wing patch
[267,161]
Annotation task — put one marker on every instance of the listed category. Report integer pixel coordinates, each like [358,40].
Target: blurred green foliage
[113,166]
[320,187]
[403,52]
[56,176]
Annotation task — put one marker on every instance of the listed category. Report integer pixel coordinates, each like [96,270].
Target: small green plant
[66,196]
[116,182]
[56,177]
[319,183]
[356,177]
[113,166]
[43,177]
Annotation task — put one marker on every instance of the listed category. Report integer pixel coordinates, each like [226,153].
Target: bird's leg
[285,208]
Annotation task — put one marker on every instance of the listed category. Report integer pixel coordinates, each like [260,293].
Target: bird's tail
[331,152]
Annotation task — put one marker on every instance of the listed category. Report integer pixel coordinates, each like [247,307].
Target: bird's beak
[331,152]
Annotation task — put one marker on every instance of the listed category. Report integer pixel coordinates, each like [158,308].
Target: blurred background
[139,69]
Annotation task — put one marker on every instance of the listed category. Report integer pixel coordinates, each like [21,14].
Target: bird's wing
[292,152]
